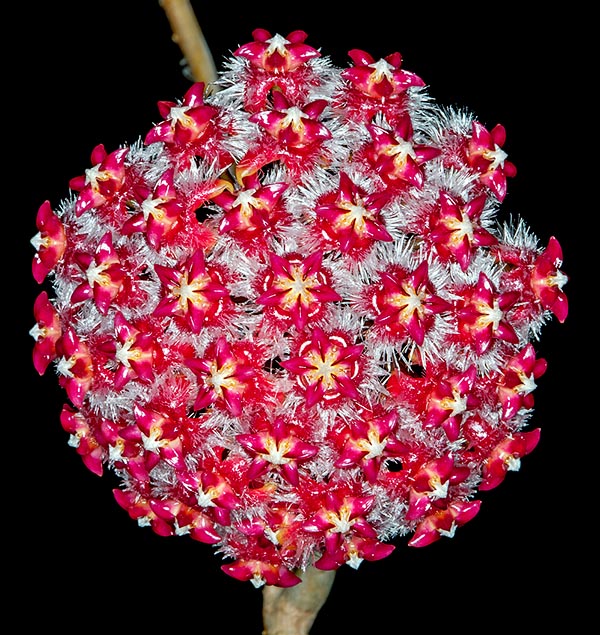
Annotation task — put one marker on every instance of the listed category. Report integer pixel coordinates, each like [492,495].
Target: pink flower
[455,228]
[135,351]
[224,377]
[486,156]
[277,54]
[260,572]
[90,448]
[382,79]
[506,457]
[518,381]
[370,441]
[183,520]
[185,122]
[293,127]
[252,211]
[482,316]
[547,280]
[444,522]
[350,218]
[405,303]
[449,398]
[50,242]
[326,366]
[104,275]
[75,366]
[296,289]
[46,332]
[102,182]
[276,447]
[194,293]
[213,493]
[394,156]
[431,484]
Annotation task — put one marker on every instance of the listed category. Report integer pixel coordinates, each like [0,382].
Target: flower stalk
[188,35]
[293,610]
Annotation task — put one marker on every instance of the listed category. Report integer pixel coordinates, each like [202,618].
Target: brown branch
[188,35]
[292,611]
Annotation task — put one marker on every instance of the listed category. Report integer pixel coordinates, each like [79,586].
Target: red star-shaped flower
[50,242]
[383,80]
[104,275]
[405,303]
[482,316]
[395,157]
[276,447]
[449,398]
[275,53]
[350,218]
[547,280]
[296,288]
[327,367]
[455,229]
[369,442]
[223,377]
[486,156]
[46,332]
[506,457]
[194,292]
[102,181]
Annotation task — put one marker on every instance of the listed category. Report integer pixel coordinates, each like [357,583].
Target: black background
[92,73]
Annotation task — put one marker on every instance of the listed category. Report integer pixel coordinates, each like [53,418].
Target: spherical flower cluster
[288,318]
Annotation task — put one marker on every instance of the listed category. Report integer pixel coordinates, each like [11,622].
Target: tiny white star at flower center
[527,384]
[276,453]
[181,531]
[438,489]
[408,302]
[448,533]
[179,114]
[341,521]
[373,444]
[324,369]
[95,274]
[220,378]
[37,241]
[115,452]
[497,156]
[122,354]
[64,366]
[190,292]
[93,175]
[277,43]
[74,441]
[246,201]
[355,214]
[272,536]
[401,150]
[513,463]
[456,404]
[461,228]
[204,498]
[293,118]
[151,206]
[257,581]
[354,560]
[381,69]
[37,332]
[152,443]
[559,280]
[490,315]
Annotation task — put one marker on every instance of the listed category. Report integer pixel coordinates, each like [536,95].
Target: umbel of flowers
[289,319]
